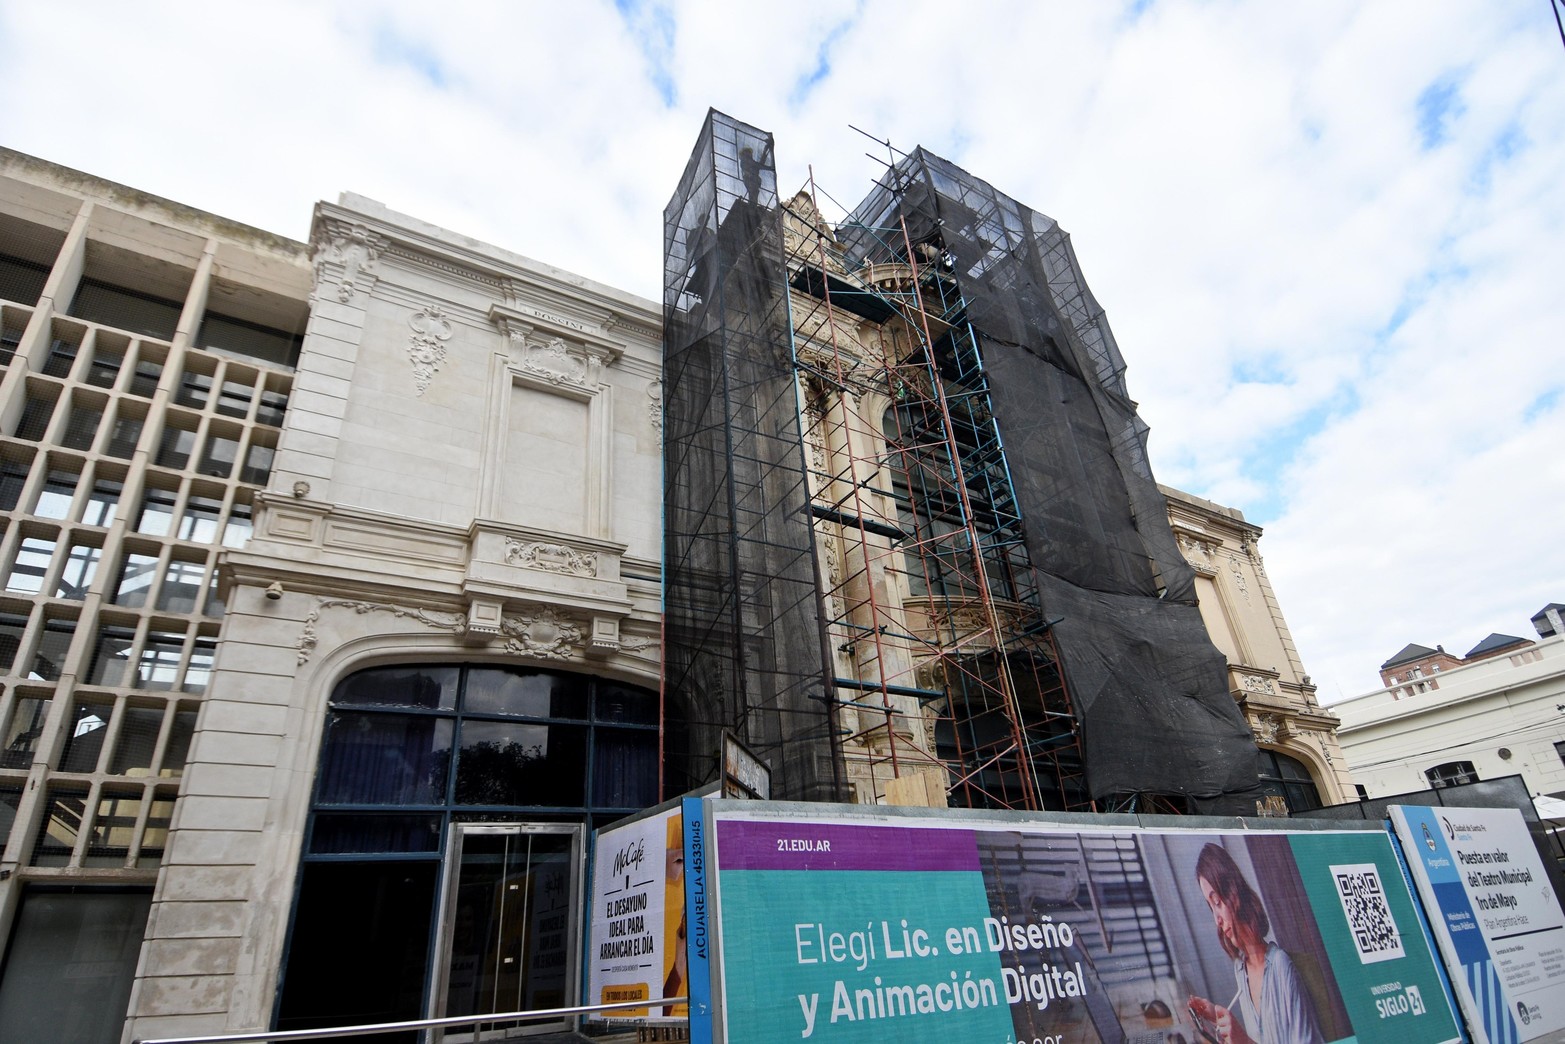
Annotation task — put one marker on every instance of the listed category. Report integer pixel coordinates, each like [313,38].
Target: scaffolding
[914,551]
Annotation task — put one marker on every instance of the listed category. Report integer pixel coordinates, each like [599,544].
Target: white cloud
[1244,182]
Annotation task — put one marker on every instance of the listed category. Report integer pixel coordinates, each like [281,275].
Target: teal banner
[867,928]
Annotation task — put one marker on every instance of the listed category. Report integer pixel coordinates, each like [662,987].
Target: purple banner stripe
[744,844]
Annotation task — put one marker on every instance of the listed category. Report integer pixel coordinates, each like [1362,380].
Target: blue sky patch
[822,68]
[1438,107]
[392,48]
[1544,403]
[651,25]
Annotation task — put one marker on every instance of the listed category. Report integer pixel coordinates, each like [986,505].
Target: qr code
[1369,915]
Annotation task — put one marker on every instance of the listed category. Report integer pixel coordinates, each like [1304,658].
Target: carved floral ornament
[1270,728]
[543,633]
[427,344]
[551,558]
[352,249]
[655,407]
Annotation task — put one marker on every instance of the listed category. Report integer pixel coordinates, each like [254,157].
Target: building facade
[332,608]
[1497,712]
[1302,761]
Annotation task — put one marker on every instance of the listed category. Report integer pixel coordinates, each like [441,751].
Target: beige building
[1297,737]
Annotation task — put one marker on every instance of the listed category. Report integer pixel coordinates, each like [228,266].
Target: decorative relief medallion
[426,347]
[354,250]
[551,558]
[545,634]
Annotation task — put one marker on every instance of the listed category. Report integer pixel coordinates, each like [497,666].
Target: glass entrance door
[508,924]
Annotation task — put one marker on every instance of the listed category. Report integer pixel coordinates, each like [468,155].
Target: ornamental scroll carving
[456,623]
[544,634]
[426,346]
[1255,683]
[353,251]
[551,558]
[655,407]
[555,361]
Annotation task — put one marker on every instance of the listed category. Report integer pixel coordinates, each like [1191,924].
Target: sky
[1329,236]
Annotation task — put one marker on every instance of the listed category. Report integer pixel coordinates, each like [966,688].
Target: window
[145,380]
[159,664]
[135,580]
[273,406]
[81,565]
[14,469]
[250,340]
[200,519]
[126,434]
[103,503]
[199,671]
[234,399]
[89,728]
[110,656]
[1289,779]
[54,500]
[181,586]
[36,411]
[1452,774]
[219,456]
[157,512]
[32,562]
[62,355]
[176,446]
[22,731]
[104,369]
[53,644]
[81,427]
[1559,748]
[125,309]
[258,465]
[12,626]
[236,533]
[194,390]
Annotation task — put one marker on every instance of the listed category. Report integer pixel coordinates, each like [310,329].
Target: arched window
[1290,779]
[409,751]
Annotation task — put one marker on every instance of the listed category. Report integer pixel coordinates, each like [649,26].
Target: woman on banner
[1270,1005]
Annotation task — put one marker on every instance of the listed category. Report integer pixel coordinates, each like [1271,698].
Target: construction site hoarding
[1496,917]
[842,924]
[636,936]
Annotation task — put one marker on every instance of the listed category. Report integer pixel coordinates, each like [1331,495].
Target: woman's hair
[1219,870]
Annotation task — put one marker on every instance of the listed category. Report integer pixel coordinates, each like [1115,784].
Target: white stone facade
[1502,716]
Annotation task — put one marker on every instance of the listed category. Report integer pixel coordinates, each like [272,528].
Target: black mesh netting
[1149,689]
[744,644]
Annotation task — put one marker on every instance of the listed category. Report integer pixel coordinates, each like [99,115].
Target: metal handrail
[385,1027]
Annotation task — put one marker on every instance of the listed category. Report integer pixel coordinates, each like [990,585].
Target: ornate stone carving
[544,634]
[551,558]
[1257,683]
[655,407]
[456,623]
[352,249]
[426,346]
[554,360]
[1270,729]
[1239,581]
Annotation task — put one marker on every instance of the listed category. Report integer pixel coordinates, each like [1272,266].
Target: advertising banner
[636,948]
[874,928]
[1497,921]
